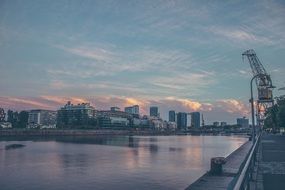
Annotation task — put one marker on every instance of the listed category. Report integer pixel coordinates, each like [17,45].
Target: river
[120,162]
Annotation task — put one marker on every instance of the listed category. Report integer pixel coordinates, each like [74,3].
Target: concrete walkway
[270,163]
[230,170]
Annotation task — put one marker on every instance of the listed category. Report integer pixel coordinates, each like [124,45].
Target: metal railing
[245,175]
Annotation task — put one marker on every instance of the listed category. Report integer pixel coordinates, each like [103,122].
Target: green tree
[275,116]
[281,116]
[271,120]
[23,119]
[10,116]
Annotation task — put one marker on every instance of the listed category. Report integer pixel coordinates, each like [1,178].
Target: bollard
[250,138]
[217,165]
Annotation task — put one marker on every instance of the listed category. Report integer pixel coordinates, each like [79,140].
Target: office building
[133,109]
[153,111]
[73,115]
[195,119]
[171,116]
[243,122]
[182,120]
[42,117]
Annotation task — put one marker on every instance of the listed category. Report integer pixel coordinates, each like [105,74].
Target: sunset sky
[181,55]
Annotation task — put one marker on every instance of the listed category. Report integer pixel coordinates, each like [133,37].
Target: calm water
[166,162]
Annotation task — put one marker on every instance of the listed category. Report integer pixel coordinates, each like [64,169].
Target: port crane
[263,83]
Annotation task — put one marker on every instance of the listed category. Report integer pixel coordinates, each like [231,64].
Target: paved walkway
[230,170]
[271,163]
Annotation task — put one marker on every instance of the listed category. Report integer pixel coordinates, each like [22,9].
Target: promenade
[270,166]
[230,170]
[268,170]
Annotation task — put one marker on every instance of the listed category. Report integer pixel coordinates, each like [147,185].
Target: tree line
[275,115]
[18,119]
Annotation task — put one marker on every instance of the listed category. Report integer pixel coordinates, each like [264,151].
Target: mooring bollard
[217,165]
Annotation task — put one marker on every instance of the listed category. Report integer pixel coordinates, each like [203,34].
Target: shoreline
[101,132]
[234,163]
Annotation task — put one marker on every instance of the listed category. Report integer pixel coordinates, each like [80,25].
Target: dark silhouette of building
[171,116]
[195,119]
[243,122]
[182,120]
[153,111]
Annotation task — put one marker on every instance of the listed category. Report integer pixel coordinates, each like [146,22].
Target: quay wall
[77,132]
[92,132]
[234,164]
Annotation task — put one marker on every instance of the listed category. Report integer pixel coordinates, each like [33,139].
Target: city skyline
[177,55]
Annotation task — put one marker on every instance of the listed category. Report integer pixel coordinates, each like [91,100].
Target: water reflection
[123,162]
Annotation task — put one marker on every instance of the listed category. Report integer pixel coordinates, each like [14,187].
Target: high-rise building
[243,122]
[153,111]
[182,120]
[171,116]
[195,119]
[133,109]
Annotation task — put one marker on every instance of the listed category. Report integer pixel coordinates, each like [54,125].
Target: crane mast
[263,84]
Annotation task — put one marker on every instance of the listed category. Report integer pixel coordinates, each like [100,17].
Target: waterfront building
[113,122]
[243,122]
[133,109]
[216,123]
[41,117]
[171,125]
[158,123]
[136,122]
[113,119]
[195,119]
[5,125]
[115,109]
[153,111]
[74,115]
[145,121]
[171,116]
[223,123]
[109,113]
[182,120]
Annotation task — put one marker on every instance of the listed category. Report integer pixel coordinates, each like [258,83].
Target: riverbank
[95,132]
[232,167]
[77,132]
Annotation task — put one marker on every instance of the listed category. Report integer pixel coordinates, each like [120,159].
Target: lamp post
[252,109]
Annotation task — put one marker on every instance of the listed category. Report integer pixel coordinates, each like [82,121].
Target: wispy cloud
[98,54]
[239,35]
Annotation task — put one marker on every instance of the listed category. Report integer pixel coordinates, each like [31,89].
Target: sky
[177,55]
